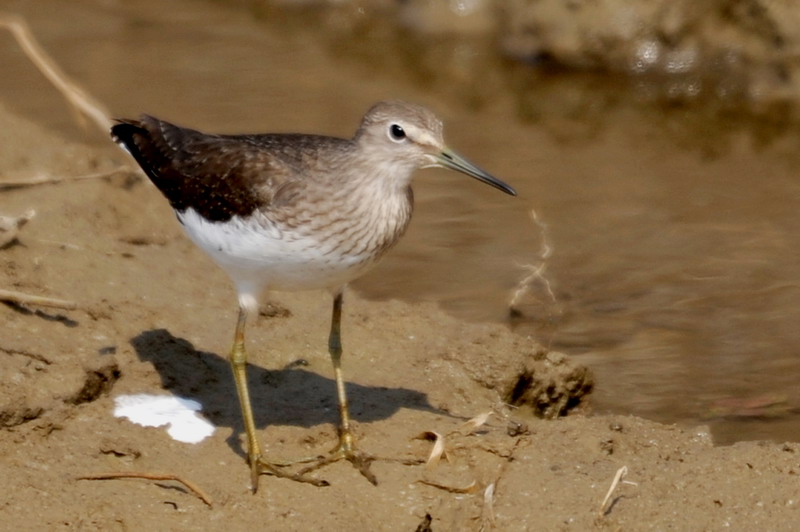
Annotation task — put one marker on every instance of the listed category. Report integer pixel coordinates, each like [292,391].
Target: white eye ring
[397,133]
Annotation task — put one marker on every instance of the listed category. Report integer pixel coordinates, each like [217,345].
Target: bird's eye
[396,133]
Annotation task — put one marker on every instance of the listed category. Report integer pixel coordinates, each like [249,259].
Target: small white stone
[158,410]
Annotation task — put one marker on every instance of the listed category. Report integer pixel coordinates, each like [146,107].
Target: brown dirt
[155,316]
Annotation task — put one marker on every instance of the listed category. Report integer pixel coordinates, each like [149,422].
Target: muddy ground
[154,315]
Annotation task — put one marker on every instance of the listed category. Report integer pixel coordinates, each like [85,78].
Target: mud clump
[550,383]
[99,381]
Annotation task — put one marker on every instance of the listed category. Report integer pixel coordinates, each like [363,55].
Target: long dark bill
[452,160]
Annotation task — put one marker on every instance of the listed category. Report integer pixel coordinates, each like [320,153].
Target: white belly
[258,256]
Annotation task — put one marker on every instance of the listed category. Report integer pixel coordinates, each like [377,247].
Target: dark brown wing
[218,176]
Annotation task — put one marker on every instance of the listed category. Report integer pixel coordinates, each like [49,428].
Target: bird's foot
[259,466]
[345,451]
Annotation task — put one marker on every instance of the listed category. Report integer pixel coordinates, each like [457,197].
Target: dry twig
[472,487]
[475,423]
[49,180]
[80,100]
[35,356]
[618,477]
[487,510]
[20,298]
[154,476]
[438,451]
[10,226]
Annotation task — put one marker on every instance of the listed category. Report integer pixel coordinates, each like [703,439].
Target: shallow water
[666,236]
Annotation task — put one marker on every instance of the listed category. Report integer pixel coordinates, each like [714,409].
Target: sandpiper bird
[295,212]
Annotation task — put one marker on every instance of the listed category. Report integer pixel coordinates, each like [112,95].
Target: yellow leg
[239,368]
[258,466]
[346,449]
[335,350]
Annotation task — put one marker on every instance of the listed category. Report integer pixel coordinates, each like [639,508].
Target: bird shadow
[287,396]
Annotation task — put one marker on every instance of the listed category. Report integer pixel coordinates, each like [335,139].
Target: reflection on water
[671,232]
